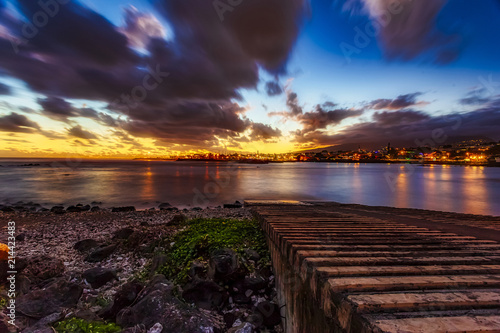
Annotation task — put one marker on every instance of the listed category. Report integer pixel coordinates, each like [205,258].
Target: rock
[158,261]
[164,206]
[95,209]
[123,209]
[43,267]
[205,294]
[124,297]
[237,204]
[243,328]
[157,305]
[123,233]
[85,245]
[241,298]
[101,253]
[85,208]
[270,312]
[196,209]
[252,254]
[223,265]
[95,203]
[178,219]
[57,210]
[42,326]
[144,224]
[43,302]
[157,328]
[197,270]
[43,210]
[21,237]
[253,284]
[73,209]
[98,276]
[7,209]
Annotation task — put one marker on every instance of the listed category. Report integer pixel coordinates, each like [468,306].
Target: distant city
[470,152]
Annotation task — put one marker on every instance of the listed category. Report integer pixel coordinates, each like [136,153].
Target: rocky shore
[87,269]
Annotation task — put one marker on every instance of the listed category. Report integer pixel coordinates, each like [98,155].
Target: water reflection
[450,188]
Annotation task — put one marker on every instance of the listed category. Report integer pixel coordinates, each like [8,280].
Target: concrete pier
[346,268]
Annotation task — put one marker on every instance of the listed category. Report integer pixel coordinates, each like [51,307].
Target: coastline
[53,236]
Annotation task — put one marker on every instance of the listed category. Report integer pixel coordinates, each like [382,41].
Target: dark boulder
[21,237]
[85,208]
[164,206]
[253,283]
[43,302]
[224,265]
[197,270]
[98,276]
[252,254]
[101,253]
[7,209]
[95,209]
[270,313]
[43,267]
[74,209]
[123,209]
[123,298]
[237,204]
[123,233]
[205,294]
[57,210]
[178,219]
[85,245]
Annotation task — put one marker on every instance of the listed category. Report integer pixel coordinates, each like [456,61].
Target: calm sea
[146,183]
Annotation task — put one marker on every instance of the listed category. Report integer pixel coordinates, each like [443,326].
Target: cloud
[79,54]
[59,109]
[476,97]
[273,88]
[264,132]
[4,89]
[325,115]
[15,122]
[141,27]
[320,118]
[409,28]
[292,103]
[79,132]
[411,128]
[400,102]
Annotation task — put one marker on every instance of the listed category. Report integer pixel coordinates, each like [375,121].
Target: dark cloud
[321,117]
[400,102]
[79,132]
[264,132]
[273,88]
[412,128]
[15,122]
[55,107]
[409,29]
[81,55]
[476,97]
[325,115]
[4,89]
[59,109]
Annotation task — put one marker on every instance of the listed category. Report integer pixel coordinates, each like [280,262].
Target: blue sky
[425,62]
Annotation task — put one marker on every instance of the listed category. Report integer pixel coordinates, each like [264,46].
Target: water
[143,184]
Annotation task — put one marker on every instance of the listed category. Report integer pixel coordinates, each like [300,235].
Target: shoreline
[48,239]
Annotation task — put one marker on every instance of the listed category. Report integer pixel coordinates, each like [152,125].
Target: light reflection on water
[142,183]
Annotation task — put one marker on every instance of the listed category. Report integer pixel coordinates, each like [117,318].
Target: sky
[141,78]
